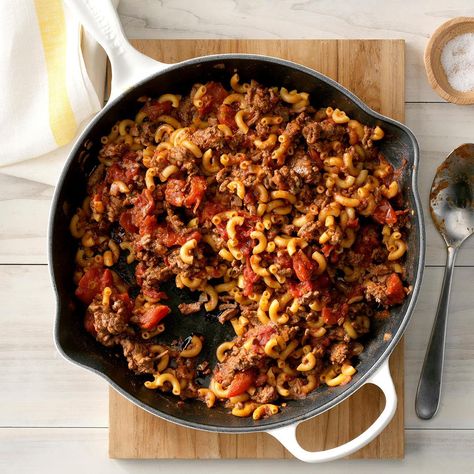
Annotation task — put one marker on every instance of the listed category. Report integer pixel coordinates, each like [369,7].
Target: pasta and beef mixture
[285,221]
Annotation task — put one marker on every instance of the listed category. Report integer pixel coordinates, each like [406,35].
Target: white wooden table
[53,416]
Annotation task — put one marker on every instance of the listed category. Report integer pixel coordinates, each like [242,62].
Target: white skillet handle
[128,65]
[287,435]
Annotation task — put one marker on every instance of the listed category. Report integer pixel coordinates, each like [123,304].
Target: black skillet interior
[79,347]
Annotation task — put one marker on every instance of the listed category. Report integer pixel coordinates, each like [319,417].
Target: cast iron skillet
[144,76]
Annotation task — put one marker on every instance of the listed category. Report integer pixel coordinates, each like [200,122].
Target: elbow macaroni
[299,216]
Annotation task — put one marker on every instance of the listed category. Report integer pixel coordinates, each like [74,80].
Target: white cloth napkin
[46,94]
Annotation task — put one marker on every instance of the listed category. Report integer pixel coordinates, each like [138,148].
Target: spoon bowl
[452,211]
[452,196]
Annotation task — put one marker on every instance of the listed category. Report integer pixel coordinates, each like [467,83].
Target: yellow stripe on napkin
[52,25]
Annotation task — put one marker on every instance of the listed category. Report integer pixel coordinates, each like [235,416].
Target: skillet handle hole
[331,429]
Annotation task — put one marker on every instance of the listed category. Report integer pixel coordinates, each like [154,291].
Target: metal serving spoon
[452,211]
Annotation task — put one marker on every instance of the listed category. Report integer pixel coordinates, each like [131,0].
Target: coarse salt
[457,59]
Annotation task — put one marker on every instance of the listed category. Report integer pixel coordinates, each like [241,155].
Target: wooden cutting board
[373,70]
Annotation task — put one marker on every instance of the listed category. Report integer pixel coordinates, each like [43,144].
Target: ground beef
[175,263]
[109,322]
[139,357]
[189,308]
[185,369]
[173,219]
[292,129]
[237,141]
[179,155]
[331,131]
[309,297]
[191,168]
[259,101]
[379,270]
[114,208]
[338,333]
[283,272]
[312,132]
[338,353]
[210,137]
[154,275]
[262,130]
[237,361]
[301,165]
[114,150]
[186,110]
[147,132]
[286,179]
[310,230]
[375,291]
[296,386]
[288,229]
[265,394]
[229,311]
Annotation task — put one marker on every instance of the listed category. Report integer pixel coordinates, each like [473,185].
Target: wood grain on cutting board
[373,70]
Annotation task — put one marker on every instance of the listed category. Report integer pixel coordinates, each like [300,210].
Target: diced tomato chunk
[250,277]
[226,115]
[125,171]
[212,99]
[245,242]
[189,235]
[367,241]
[146,202]
[222,231]
[264,334]
[168,237]
[300,289]
[198,185]
[93,282]
[395,291]
[154,109]
[178,194]
[144,205]
[115,172]
[384,213]
[329,316]
[302,266]
[332,315]
[148,225]
[241,382]
[106,279]
[209,210]
[156,295]
[327,249]
[321,283]
[153,316]
[126,221]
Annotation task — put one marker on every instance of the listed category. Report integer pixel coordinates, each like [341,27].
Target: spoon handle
[429,386]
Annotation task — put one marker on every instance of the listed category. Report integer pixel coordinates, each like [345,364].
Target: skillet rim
[419,227]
